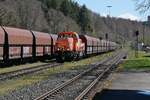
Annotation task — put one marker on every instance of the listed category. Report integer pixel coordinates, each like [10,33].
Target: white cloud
[104,14]
[129,16]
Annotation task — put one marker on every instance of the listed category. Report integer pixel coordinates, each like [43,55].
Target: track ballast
[80,85]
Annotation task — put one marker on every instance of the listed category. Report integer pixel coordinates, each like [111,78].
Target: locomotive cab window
[62,36]
[65,36]
[74,36]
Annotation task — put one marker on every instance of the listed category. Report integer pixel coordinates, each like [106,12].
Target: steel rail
[63,85]
[12,74]
[86,91]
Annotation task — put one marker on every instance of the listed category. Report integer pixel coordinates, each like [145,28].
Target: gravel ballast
[37,89]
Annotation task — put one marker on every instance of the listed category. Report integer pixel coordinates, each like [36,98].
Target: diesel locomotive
[70,45]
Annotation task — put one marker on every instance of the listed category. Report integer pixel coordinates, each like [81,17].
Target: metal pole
[106,35]
[101,45]
[144,33]
[109,12]
[136,50]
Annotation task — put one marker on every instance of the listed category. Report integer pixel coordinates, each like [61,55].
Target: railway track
[25,71]
[85,80]
[84,94]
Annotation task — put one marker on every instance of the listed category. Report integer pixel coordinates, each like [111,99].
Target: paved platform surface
[131,81]
[127,86]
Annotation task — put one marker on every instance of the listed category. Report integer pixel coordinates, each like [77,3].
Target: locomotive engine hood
[64,44]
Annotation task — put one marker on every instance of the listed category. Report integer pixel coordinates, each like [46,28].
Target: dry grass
[18,67]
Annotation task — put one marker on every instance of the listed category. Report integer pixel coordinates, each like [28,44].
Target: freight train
[20,45]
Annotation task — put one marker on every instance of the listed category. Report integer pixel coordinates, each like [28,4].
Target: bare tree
[28,12]
[54,18]
[57,22]
[7,16]
[2,14]
[142,5]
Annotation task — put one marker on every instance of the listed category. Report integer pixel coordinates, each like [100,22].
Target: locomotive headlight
[78,44]
[58,49]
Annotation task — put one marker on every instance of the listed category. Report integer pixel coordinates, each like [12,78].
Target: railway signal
[136,44]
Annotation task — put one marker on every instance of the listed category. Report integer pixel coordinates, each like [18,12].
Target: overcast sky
[120,8]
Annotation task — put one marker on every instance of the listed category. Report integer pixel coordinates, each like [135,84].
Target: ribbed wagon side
[1,43]
[25,45]
[54,39]
[19,44]
[92,45]
[104,46]
[96,45]
[43,45]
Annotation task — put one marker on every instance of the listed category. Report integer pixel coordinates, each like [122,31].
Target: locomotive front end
[67,46]
[64,43]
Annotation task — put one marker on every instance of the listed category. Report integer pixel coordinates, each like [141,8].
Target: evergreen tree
[52,4]
[84,19]
[75,9]
[65,7]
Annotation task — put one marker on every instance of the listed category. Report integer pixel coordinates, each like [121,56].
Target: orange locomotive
[68,46]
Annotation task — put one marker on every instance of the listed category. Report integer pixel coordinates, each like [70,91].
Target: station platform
[127,86]
[131,81]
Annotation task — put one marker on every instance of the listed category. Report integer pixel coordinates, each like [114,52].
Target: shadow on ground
[148,56]
[122,95]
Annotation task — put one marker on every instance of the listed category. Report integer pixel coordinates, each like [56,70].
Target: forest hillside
[66,15]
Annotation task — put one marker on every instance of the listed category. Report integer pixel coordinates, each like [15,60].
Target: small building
[149,20]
